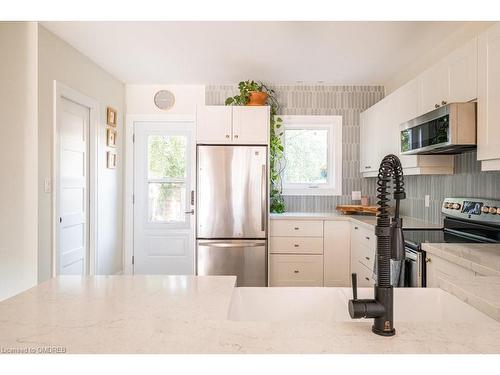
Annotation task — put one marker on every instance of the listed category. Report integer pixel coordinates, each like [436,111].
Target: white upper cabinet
[251,124]
[214,124]
[432,88]
[453,79]
[461,68]
[488,112]
[232,125]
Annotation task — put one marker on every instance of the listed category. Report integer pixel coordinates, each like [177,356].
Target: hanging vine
[277,163]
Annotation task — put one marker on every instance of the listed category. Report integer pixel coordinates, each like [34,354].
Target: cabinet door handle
[356,228]
[367,279]
[443,102]
[236,136]
[296,245]
[436,105]
[296,228]
[368,238]
[227,135]
[296,271]
[367,258]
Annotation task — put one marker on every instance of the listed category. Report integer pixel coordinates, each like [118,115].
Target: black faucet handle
[354,281]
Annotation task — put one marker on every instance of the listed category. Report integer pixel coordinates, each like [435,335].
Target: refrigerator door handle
[263,199]
[232,244]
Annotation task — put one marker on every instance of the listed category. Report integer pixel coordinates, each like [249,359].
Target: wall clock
[164,100]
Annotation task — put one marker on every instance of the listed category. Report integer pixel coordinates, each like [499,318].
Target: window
[167,178]
[313,155]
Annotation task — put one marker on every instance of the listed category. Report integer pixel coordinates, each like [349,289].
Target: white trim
[62,91]
[334,126]
[128,179]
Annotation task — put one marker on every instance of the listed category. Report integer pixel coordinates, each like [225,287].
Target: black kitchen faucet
[390,245]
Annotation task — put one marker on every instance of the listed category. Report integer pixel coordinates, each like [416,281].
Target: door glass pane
[306,155]
[167,202]
[167,156]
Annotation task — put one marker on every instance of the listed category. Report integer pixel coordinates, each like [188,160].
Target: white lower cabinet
[437,267]
[364,274]
[309,253]
[363,247]
[336,255]
[296,270]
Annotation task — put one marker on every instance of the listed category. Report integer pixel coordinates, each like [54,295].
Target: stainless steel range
[466,220]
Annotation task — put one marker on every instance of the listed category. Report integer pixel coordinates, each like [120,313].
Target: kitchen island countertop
[189,314]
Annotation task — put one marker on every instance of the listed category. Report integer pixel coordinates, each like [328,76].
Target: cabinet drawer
[297,228]
[364,255]
[296,270]
[364,274]
[363,235]
[299,245]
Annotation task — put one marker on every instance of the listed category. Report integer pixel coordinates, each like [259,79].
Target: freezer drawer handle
[229,244]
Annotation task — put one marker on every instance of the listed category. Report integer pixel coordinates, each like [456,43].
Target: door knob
[189,212]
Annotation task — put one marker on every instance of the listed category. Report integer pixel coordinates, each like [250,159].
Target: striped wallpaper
[349,102]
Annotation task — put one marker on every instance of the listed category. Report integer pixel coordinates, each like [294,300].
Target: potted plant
[257,93]
[251,93]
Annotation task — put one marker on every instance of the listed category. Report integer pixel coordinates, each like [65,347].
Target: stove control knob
[446,205]
[457,206]
[493,210]
[485,209]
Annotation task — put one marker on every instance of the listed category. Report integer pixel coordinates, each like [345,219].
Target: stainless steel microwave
[450,129]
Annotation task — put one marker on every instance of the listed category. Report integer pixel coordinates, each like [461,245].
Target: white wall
[18,154]
[59,61]
[435,53]
[140,99]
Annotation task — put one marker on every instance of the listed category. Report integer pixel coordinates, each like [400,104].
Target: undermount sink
[330,305]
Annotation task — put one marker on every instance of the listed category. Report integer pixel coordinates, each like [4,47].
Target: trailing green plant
[277,203]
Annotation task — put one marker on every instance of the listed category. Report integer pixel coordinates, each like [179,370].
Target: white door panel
[163,185]
[72,130]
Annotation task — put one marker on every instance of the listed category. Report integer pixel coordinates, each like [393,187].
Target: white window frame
[334,126]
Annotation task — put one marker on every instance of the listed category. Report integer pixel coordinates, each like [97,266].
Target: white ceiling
[278,52]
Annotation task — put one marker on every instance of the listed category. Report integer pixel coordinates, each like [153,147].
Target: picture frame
[111,116]
[110,160]
[111,135]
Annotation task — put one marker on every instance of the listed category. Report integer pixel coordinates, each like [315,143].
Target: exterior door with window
[163,198]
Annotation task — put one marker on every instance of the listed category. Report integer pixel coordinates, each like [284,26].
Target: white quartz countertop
[188,314]
[478,257]
[367,220]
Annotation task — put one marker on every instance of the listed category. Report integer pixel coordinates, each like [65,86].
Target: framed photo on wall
[111,137]
[110,160]
[111,117]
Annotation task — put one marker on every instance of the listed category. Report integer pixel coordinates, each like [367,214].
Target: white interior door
[72,195]
[164,156]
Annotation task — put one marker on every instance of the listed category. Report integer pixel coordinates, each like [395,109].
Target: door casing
[128,196]
[62,91]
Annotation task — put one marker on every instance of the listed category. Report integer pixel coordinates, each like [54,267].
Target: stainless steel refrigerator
[232,212]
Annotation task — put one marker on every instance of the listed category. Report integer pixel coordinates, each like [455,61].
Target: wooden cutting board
[350,209]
